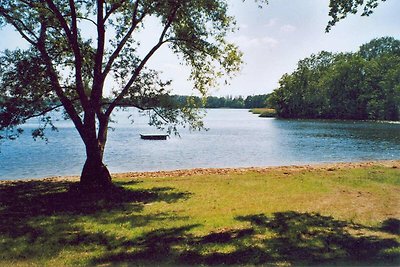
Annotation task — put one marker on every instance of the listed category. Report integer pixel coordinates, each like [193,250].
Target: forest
[363,85]
[252,101]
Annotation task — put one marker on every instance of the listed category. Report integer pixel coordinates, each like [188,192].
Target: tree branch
[78,56]
[51,72]
[12,21]
[133,78]
[121,45]
[128,105]
[170,19]
[160,115]
[114,7]
[98,61]
[72,36]
[61,19]
[87,19]
[43,112]
[143,62]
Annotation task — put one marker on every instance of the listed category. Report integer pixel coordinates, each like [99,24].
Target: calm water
[236,138]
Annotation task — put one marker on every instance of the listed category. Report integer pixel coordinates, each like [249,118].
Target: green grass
[284,216]
[264,112]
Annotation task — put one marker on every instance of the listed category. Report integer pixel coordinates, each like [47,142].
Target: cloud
[288,28]
[269,41]
[245,41]
[172,66]
[271,22]
[243,26]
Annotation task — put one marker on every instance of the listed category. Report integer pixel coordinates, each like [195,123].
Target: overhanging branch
[5,13]
[142,108]
[43,112]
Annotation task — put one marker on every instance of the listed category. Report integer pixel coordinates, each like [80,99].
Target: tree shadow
[162,246]
[315,239]
[285,238]
[34,198]
[40,218]
[391,225]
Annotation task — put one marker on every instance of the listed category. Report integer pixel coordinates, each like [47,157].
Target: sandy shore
[224,171]
[291,168]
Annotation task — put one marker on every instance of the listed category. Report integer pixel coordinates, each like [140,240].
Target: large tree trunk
[95,175]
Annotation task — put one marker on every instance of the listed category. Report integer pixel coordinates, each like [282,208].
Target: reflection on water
[236,138]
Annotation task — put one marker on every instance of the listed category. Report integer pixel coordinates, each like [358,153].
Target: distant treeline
[360,85]
[254,101]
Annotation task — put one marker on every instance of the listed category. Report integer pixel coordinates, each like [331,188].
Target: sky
[273,39]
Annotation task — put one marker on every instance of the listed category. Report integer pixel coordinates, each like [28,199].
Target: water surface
[236,138]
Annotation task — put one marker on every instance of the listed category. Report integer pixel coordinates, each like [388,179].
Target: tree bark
[95,175]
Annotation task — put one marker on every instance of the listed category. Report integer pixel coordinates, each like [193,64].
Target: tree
[362,85]
[339,9]
[256,101]
[65,66]
[77,46]
[380,46]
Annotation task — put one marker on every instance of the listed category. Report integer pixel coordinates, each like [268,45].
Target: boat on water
[154,136]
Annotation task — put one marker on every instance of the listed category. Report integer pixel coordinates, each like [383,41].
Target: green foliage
[253,101]
[339,9]
[26,92]
[228,102]
[380,47]
[73,67]
[362,85]
[257,101]
[76,47]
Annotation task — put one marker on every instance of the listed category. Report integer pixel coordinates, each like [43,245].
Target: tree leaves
[339,9]
[362,85]
[77,45]
[25,91]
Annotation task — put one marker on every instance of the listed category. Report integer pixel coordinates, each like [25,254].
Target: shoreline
[224,171]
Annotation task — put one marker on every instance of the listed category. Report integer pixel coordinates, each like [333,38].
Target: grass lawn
[344,214]
[264,112]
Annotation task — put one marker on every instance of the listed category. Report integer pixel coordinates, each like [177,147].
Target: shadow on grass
[41,218]
[284,238]
[391,225]
[316,239]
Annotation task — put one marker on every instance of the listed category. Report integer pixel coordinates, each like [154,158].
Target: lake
[236,138]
